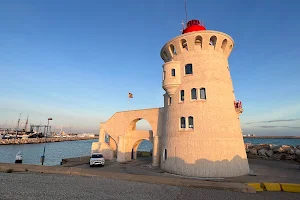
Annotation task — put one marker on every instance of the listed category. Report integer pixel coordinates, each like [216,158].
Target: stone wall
[273,152]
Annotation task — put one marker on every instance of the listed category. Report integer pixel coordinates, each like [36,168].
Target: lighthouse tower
[202,135]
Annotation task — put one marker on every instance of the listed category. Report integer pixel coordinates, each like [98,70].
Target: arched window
[188,69]
[173,72]
[170,100]
[184,44]
[202,93]
[165,56]
[182,122]
[224,44]
[173,50]
[182,95]
[191,122]
[198,41]
[213,41]
[165,154]
[194,93]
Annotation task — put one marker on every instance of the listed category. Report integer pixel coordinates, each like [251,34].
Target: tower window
[173,72]
[173,50]
[191,122]
[224,44]
[170,100]
[213,41]
[165,154]
[189,69]
[202,93]
[182,95]
[182,122]
[194,93]
[165,56]
[198,41]
[184,44]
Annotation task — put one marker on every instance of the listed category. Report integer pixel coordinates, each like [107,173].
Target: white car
[97,159]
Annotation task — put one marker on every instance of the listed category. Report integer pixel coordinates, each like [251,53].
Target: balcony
[238,106]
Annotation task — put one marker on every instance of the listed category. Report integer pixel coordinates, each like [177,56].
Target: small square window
[173,72]
[189,69]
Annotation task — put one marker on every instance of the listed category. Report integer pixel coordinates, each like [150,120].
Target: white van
[97,159]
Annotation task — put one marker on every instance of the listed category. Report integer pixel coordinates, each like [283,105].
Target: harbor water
[56,151]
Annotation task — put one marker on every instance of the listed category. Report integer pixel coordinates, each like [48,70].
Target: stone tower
[202,134]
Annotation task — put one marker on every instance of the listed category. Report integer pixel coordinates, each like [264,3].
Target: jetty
[273,137]
[42,140]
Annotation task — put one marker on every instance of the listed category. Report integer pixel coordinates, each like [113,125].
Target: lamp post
[43,156]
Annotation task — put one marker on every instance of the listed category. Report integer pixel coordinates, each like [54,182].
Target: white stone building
[197,132]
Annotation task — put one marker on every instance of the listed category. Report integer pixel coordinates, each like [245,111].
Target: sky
[76,61]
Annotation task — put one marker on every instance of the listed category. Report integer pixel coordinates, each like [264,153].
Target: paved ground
[25,186]
[271,171]
[261,170]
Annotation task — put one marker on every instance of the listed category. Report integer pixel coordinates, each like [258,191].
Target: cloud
[295,127]
[272,121]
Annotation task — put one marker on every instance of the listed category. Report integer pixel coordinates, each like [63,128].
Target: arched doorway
[140,134]
[142,149]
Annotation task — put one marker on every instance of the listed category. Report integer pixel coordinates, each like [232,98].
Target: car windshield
[97,156]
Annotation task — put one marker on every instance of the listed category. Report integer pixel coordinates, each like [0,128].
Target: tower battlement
[197,41]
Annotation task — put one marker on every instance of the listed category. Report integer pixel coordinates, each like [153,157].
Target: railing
[238,104]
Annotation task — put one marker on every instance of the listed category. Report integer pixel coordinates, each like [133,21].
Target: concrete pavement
[174,181]
[34,186]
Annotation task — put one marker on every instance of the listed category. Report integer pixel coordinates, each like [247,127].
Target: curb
[275,187]
[180,182]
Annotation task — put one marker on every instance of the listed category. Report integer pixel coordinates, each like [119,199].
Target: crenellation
[197,41]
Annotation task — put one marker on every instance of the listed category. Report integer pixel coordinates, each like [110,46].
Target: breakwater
[273,137]
[273,152]
[42,140]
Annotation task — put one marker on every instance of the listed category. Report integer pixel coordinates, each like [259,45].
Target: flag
[50,118]
[130,95]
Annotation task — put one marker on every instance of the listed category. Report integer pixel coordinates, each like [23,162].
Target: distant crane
[18,126]
[26,124]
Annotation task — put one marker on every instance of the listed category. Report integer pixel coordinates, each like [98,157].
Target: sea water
[56,151]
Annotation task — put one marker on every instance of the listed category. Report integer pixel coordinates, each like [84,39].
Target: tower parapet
[197,41]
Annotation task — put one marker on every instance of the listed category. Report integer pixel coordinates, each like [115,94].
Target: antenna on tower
[182,23]
[185,12]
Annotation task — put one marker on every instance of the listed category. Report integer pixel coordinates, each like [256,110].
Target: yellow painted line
[256,186]
[289,187]
[272,187]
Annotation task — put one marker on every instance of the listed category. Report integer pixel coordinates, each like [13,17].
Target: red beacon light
[194,25]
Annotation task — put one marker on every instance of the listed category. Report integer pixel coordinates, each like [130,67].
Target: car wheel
[91,165]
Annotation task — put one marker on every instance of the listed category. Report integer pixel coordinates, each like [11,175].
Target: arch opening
[142,150]
[213,41]
[198,41]
[173,50]
[165,56]
[142,124]
[224,44]
[184,44]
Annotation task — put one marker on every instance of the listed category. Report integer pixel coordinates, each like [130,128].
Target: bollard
[42,159]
